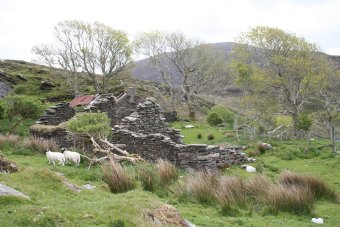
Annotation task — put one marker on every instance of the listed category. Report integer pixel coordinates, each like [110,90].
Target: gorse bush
[199,136]
[40,145]
[117,178]
[304,122]
[2,111]
[93,124]
[317,186]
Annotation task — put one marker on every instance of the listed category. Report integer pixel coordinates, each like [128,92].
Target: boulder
[8,191]
[44,85]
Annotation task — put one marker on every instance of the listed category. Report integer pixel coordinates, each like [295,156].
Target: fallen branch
[114,147]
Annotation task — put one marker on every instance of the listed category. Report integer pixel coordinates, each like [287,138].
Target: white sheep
[55,156]
[71,156]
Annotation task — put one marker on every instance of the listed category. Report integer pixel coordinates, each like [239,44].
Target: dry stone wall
[196,156]
[148,119]
[57,114]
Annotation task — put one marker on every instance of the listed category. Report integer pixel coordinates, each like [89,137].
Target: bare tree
[154,46]
[96,49]
[197,63]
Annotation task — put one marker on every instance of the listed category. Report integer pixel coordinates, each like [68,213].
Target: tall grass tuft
[149,176]
[318,187]
[167,172]
[9,138]
[230,192]
[257,186]
[117,178]
[199,186]
[40,145]
[294,199]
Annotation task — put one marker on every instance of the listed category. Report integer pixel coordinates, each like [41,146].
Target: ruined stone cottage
[140,125]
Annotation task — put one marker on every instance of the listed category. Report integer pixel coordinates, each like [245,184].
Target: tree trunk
[75,84]
[187,96]
[295,124]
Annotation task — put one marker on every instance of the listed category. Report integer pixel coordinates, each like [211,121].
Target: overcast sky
[25,23]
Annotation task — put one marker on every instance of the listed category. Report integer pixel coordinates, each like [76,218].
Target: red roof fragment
[82,100]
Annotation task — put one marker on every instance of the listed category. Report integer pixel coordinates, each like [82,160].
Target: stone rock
[189,126]
[8,191]
[4,89]
[317,221]
[44,85]
[6,166]
[88,187]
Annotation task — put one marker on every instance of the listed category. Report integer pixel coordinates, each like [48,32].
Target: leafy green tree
[289,66]
[20,108]
[95,125]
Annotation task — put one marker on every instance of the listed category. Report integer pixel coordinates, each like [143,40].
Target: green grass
[53,204]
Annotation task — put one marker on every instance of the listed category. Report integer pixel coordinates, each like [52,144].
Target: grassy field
[52,204]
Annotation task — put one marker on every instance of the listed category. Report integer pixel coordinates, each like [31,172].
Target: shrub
[211,137]
[20,108]
[199,187]
[167,172]
[219,114]
[40,145]
[304,122]
[117,178]
[294,199]
[149,176]
[317,186]
[93,124]
[283,120]
[230,192]
[199,136]
[261,148]
[20,89]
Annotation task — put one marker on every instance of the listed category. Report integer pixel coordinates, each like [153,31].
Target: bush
[93,124]
[304,122]
[19,108]
[199,136]
[294,199]
[117,178]
[20,89]
[149,176]
[219,114]
[317,186]
[211,137]
[253,153]
[167,172]
[40,145]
